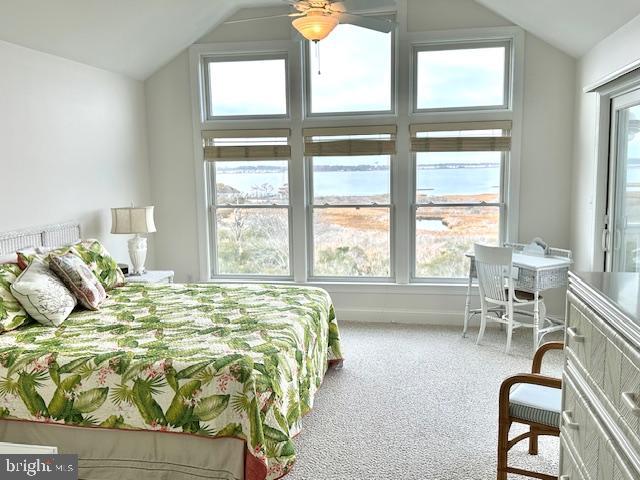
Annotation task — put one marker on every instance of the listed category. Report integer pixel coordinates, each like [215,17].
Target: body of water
[435,181]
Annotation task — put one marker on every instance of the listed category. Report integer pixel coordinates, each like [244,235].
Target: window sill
[439,288]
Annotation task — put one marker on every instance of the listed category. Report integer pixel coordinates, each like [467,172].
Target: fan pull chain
[318,54]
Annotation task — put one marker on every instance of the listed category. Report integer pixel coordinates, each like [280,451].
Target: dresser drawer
[593,451]
[569,469]
[580,429]
[586,340]
[611,365]
[629,401]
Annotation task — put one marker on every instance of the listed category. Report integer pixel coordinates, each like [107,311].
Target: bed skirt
[135,455]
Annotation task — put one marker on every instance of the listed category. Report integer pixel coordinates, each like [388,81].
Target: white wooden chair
[495,279]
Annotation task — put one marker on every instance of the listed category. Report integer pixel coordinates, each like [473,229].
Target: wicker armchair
[531,399]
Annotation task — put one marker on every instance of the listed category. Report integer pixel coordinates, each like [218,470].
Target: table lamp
[136,221]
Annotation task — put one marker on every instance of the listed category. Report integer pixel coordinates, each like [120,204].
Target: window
[305,180]
[463,76]
[350,72]
[459,194]
[350,197]
[249,191]
[246,87]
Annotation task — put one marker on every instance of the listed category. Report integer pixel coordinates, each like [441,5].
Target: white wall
[545,166]
[72,144]
[547,147]
[614,52]
[172,168]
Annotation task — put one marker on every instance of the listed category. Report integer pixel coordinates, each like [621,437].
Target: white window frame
[501,204]
[401,165]
[310,238]
[515,36]
[246,57]
[461,45]
[308,113]
[606,89]
[213,208]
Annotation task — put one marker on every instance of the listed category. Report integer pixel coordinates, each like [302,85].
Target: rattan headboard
[48,236]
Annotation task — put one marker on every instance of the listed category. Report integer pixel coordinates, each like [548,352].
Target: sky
[461,78]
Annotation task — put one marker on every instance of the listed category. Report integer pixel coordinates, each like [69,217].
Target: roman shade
[240,144]
[349,141]
[490,136]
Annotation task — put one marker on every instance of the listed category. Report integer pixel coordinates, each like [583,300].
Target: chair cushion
[536,403]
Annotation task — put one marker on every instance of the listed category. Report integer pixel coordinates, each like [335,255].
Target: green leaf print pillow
[28,255]
[100,262]
[12,315]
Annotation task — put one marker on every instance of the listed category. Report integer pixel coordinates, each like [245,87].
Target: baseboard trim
[410,317]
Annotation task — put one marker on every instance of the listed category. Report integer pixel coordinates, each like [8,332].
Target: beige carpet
[415,402]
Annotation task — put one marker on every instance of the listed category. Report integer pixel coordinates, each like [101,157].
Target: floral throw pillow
[77,277]
[100,262]
[27,255]
[43,295]
[12,315]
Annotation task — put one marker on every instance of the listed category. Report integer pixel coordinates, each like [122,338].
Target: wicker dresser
[600,431]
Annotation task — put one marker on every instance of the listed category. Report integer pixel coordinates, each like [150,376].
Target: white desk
[531,274]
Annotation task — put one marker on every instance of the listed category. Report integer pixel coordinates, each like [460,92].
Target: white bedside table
[151,276]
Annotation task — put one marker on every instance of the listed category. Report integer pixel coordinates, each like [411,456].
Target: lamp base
[138,254]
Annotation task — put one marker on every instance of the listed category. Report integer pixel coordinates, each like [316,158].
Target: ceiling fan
[315,19]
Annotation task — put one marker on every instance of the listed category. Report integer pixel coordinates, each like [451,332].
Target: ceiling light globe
[315,26]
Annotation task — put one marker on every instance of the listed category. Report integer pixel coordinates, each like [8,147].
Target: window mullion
[298,205]
[211,214]
[402,188]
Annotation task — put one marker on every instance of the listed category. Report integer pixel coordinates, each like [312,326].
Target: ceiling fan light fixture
[315,26]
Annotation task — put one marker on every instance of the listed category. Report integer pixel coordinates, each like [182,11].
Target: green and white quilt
[215,360]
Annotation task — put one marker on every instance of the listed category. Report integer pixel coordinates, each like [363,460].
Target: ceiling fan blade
[368,5]
[371,23]
[338,7]
[242,20]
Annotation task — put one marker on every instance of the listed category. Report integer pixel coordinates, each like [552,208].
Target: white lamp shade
[132,220]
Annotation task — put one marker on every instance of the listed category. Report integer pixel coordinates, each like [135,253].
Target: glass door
[621,238]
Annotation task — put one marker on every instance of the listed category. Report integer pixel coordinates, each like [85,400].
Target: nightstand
[151,276]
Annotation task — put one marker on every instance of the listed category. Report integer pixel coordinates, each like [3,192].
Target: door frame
[609,236]
[606,93]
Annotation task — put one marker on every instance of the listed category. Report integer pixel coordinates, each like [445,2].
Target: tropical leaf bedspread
[215,360]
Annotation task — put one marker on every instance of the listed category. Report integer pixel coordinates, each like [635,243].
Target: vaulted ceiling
[573,26]
[136,37]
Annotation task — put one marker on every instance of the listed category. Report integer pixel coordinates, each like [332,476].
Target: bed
[176,381]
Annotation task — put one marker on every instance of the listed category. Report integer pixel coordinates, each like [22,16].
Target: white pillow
[8,258]
[43,295]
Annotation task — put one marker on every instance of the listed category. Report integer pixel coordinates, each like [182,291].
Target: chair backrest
[493,265]
[553,251]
